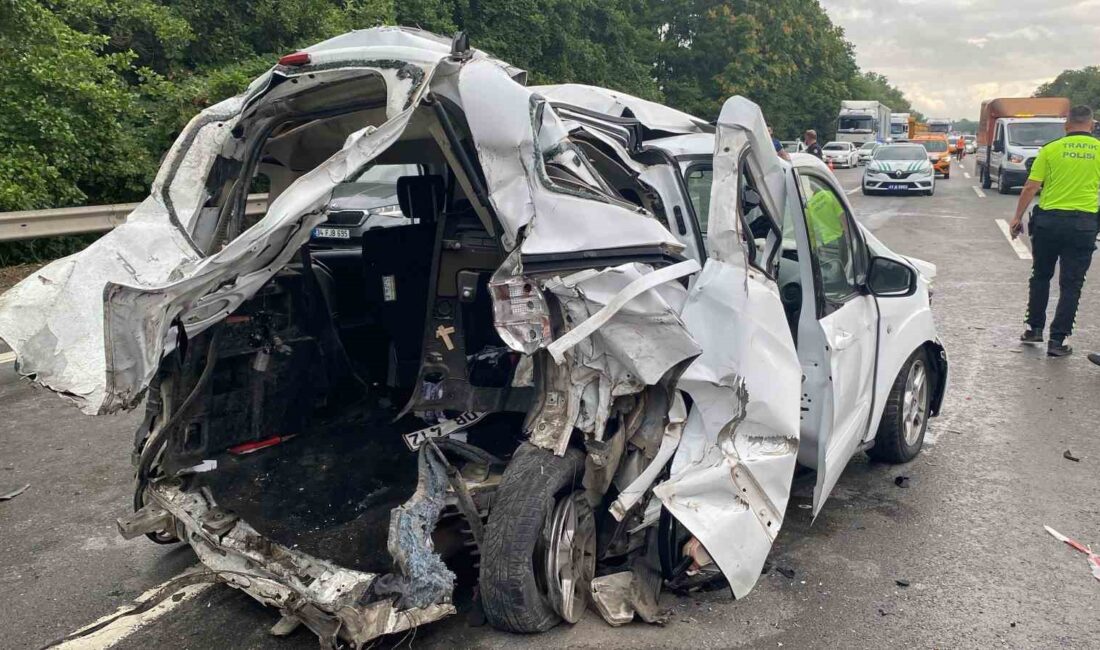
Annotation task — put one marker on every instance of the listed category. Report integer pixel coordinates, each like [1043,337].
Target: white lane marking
[853,190]
[966,174]
[1021,249]
[7,357]
[978,191]
[124,626]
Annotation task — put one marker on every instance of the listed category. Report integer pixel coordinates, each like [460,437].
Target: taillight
[298,58]
[520,314]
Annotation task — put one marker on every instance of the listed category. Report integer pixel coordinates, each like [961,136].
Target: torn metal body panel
[658,118]
[731,476]
[558,217]
[152,270]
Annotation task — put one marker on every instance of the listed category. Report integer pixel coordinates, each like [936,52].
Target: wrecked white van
[583,364]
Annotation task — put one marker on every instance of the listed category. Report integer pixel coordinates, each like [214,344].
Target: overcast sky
[949,55]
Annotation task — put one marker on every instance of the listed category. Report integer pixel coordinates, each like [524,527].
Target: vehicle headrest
[420,197]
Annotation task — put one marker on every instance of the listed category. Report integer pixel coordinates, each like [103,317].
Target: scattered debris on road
[901,582]
[8,496]
[1068,455]
[902,481]
[785,572]
[1093,558]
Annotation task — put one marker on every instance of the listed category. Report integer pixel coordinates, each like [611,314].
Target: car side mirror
[889,278]
[998,146]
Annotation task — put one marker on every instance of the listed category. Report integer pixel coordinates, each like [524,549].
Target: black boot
[1031,336]
[1058,348]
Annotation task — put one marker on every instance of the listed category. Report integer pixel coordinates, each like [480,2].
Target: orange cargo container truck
[1010,132]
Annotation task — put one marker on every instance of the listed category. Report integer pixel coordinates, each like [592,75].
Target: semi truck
[939,125]
[901,126]
[863,121]
[1011,131]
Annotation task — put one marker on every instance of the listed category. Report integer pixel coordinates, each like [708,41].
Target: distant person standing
[812,147]
[1063,227]
[779,150]
[960,148]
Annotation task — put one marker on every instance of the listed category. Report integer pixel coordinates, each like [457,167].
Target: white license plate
[332,233]
[897,186]
[444,429]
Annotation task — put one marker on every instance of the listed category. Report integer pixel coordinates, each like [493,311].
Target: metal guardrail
[30,224]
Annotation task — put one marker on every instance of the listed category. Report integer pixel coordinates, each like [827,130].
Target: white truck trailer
[863,121]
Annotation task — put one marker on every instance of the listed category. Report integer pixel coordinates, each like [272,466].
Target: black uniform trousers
[1067,238]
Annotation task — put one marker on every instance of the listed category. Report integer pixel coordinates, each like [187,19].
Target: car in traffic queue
[793,146]
[840,154]
[584,368]
[971,142]
[901,167]
[938,150]
[867,151]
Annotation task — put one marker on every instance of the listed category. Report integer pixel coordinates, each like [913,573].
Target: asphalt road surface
[967,534]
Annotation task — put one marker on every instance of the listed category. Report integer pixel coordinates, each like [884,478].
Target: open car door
[731,476]
[837,331]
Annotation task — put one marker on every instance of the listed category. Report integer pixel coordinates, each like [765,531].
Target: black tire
[891,445]
[1002,183]
[510,592]
[865,191]
[987,182]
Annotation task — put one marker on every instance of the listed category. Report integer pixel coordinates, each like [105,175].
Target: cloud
[949,55]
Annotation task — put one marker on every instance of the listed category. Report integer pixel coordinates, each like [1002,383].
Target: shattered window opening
[562,165]
[831,242]
[761,230]
[699,179]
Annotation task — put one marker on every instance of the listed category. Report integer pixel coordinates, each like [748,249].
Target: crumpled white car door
[731,476]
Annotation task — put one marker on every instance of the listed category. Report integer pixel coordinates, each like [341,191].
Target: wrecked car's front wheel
[540,543]
[905,418]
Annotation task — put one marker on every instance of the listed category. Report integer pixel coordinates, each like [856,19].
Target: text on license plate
[332,233]
[897,186]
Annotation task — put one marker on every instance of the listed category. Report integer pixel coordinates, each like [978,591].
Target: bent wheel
[539,555]
[569,556]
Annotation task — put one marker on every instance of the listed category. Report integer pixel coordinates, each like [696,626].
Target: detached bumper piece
[340,605]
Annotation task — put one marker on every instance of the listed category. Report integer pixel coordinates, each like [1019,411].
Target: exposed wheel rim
[569,556]
[915,402]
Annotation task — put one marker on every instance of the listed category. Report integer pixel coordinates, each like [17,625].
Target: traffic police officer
[812,147]
[1063,227]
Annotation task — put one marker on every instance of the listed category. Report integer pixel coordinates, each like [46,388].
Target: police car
[899,168]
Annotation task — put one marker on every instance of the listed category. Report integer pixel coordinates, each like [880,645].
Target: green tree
[601,42]
[785,55]
[1080,86]
[70,116]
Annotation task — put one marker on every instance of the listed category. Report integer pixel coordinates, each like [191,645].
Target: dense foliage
[94,91]
[1081,86]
